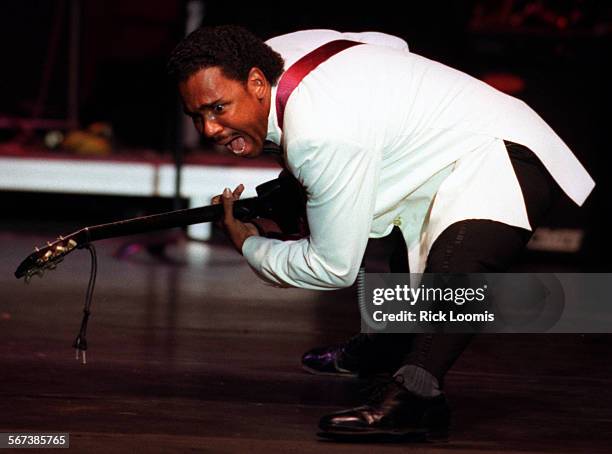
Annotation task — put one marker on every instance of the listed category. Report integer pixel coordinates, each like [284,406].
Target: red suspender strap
[300,69]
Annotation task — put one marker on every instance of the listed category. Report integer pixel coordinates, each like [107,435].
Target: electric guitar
[281,200]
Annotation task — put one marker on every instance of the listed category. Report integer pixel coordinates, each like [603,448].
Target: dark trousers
[469,246]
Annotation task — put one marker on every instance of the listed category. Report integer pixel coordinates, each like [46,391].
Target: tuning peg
[36,249]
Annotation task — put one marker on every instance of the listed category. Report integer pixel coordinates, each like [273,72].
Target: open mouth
[237,145]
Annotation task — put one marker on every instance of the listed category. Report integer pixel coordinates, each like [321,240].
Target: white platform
[199,183]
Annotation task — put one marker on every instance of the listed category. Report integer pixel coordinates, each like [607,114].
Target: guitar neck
[243,209]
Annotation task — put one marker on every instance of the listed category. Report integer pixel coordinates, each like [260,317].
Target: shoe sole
[330,374]
[416,435]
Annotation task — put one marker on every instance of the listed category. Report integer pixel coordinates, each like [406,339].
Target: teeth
[231,145]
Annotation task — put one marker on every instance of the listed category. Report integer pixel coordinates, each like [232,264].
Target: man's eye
[218,108]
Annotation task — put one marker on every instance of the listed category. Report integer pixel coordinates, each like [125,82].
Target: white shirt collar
[274,132]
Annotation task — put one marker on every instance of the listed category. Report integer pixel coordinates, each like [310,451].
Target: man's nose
[211,128]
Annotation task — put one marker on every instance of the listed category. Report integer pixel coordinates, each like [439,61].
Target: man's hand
[237,231]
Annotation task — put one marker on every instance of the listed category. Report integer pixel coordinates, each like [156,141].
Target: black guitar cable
[80,343]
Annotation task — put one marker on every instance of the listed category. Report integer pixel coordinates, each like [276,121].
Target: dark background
[560,50]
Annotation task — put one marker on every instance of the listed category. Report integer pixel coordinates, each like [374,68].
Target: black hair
[232,48]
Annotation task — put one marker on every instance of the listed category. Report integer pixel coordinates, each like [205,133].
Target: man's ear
[257,82]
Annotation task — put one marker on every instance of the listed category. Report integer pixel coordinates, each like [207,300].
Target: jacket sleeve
[340,178]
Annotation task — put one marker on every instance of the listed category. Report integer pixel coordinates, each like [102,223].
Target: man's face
[231,113]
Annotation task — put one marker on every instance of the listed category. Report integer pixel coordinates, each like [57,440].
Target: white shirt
[379,136]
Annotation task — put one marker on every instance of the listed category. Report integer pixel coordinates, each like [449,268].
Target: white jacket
[380,137]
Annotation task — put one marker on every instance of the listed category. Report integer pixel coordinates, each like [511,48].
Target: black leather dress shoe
[361,355]
[394,415]
[331,360]
[344,359]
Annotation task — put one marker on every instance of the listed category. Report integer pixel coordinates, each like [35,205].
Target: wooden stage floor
[197,355]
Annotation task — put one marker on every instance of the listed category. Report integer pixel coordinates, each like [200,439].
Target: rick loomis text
[442,300]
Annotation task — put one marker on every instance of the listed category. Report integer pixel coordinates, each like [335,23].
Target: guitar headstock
[46,258]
